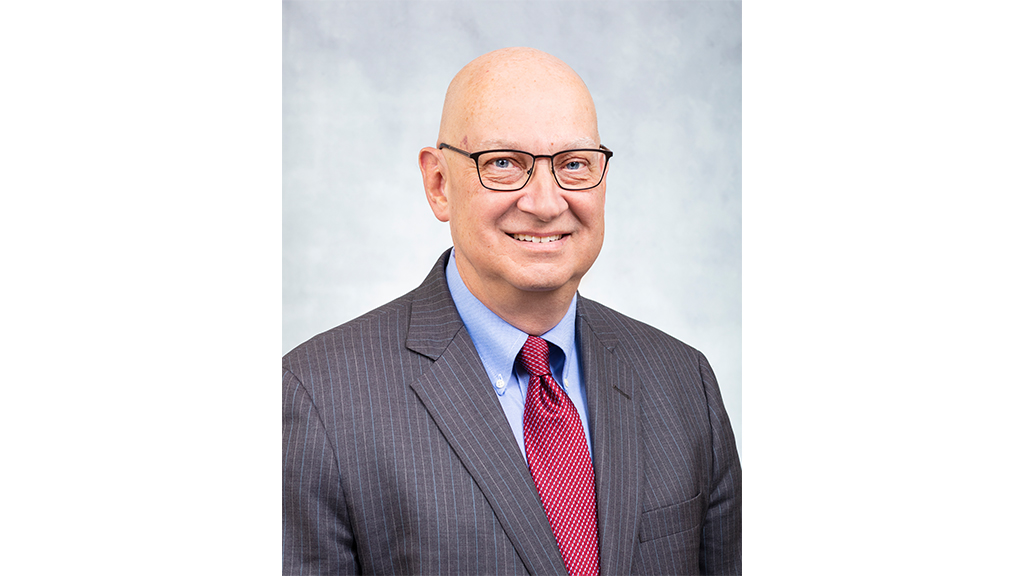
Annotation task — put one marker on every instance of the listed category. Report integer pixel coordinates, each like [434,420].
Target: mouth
[537,239]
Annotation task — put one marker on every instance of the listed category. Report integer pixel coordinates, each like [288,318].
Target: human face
[542,239]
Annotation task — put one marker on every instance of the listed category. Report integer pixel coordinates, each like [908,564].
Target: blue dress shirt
[498,343]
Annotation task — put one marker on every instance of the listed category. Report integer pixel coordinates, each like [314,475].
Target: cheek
[591,217]
[590,212]
[491,209]
[476,218]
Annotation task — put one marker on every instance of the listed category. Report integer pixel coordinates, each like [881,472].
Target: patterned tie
[556,450]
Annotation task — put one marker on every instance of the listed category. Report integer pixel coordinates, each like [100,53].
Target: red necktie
[556,450]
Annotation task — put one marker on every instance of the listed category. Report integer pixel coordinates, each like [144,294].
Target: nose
[542,196]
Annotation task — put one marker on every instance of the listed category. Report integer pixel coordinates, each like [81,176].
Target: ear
[435,182]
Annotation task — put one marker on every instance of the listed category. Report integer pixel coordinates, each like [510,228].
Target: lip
[538,239]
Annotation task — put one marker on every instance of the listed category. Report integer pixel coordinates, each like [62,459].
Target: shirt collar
[498,342]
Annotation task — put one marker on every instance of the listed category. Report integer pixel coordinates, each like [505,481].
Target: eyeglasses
[510,170]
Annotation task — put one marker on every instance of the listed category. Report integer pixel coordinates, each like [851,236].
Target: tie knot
[535,356]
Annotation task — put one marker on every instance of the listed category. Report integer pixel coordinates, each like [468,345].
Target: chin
[539,288]
[538,283]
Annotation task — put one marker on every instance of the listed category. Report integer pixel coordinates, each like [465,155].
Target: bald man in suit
[410,436]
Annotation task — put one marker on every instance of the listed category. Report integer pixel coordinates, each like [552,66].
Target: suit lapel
[612,407]
[457,394]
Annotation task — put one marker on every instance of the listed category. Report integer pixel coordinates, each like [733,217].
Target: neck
[533,312]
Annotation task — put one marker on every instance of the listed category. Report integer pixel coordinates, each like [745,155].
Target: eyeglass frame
[529,174]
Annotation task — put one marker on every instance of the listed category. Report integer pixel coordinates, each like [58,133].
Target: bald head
[521,252]
[517,91]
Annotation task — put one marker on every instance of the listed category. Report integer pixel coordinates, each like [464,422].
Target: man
[493,420]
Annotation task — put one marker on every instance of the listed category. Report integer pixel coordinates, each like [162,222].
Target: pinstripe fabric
[398,457]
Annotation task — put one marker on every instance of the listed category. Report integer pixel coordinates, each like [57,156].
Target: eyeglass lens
[574,169]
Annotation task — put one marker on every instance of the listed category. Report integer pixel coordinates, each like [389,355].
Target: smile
[536,239]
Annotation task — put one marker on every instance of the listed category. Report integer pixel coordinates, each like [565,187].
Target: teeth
[535,239]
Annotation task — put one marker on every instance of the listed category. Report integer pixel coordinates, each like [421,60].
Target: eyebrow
[498,144]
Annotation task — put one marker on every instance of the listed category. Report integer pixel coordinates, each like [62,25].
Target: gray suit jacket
[399,459]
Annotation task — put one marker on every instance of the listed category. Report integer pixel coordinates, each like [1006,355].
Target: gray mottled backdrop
[363,87]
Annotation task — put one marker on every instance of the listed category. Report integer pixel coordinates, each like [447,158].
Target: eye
[576,164]
[502,162]
[503,169]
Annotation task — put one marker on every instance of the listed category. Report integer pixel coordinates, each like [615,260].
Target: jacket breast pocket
[672,519]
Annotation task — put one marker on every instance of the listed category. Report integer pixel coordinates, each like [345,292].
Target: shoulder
[651,354]
[420,322]
[666,374]
[629,336]
[384,327]
[391,314]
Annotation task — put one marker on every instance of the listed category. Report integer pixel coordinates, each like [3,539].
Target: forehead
[526,146]
[529,108]
[529,118]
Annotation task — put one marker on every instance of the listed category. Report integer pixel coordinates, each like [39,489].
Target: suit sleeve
[317,534]
[721,541]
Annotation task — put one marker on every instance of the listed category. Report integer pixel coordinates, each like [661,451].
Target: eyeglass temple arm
[442,146]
